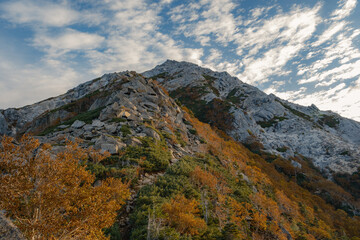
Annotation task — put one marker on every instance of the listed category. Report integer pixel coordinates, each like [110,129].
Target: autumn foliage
[204,178]
[279,208]
[51,196]
[181,213]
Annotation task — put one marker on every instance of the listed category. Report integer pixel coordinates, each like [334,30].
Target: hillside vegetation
[141,165]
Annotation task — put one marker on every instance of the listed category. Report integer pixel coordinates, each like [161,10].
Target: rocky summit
[241,110]
[100,112]
[180,132]
[248,114]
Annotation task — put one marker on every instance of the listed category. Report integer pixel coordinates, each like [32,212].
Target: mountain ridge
[256,114]
[167,155]
[265,116]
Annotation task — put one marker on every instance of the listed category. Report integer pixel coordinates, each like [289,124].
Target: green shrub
[152,155]
[118,120]
[180,139]
[235,99]
[86,117]
[160,75]
[125,130]
[271,122]
[331,121]
[295,112]
[282,149]
[193,131]
[177,180]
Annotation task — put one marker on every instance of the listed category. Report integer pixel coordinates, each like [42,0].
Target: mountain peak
[231,142]
[241,110]
[245,113]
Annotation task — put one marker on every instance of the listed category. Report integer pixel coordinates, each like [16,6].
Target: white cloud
[134,42]
[185,13]
[34,82]
[68,40]
[288,95]
[341,99]
[347,6]
[215,56]
[215,18]
[257,45]
[38,12]
[342,49]
[331,31]
[281,37]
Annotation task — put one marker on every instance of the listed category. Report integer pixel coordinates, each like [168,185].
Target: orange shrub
[181,213]
[52,196]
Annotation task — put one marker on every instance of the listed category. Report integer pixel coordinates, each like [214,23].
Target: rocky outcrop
[126,113]
[283,128]
[120,103]
[108,114]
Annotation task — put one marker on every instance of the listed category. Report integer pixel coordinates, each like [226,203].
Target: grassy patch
[193,131]
[271,122]
[345,153]
[160,75]
[282,149]
[152,155]
[235,99]
[210,80]
[329,120]
[216,112]
[295,112]
[49,130]
[118,120]
[180,138]
[125,130]
[86,117]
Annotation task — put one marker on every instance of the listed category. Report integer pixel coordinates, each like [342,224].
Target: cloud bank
[298,51]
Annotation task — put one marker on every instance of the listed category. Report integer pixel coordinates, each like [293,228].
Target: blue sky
[303,51]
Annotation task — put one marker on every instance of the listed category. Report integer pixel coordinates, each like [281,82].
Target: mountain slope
[245,113]
[181,168]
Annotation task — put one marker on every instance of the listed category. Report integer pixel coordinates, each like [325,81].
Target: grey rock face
[97,124]
[284,128]
[331,141]
[109,144]
[4,128]
[78,124]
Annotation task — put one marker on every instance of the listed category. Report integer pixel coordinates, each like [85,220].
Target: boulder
[111,148]
[152,133]
[245,178]
[88,127]
[78,124]
[141,135]
[108,143]
[133,141]
[150,105]
[296,164]
[111,128]
[3,124]
[123,114]
[97,123]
